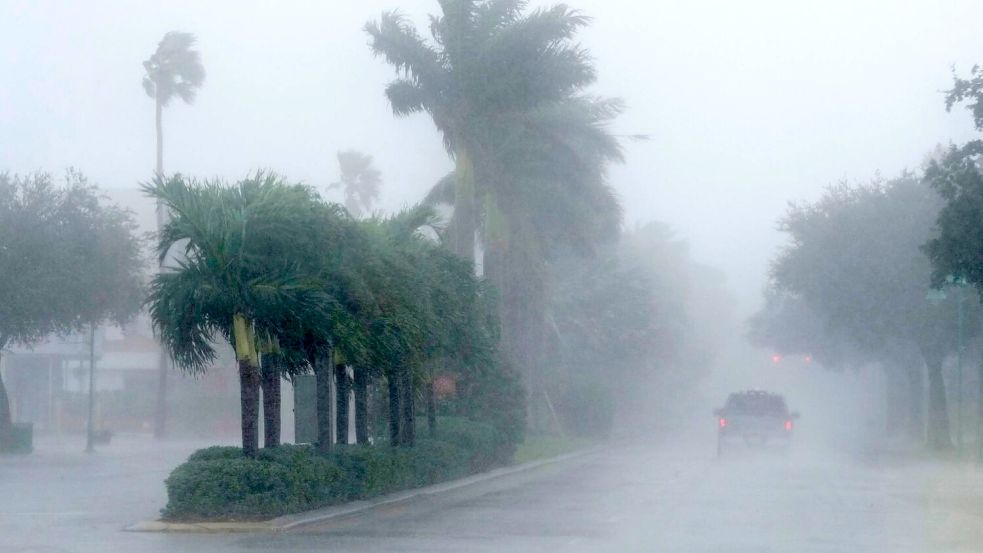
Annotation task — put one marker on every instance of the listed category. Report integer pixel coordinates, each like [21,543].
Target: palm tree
[174,69]
[488,59]
[360,181]
[242,276]
[502,86]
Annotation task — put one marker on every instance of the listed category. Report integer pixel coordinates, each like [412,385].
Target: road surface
[622,499]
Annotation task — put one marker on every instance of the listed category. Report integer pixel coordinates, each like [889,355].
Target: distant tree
[67,261]
[174,69]
[360,181]
[854,256]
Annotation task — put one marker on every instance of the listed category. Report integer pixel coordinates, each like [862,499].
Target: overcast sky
[749,104]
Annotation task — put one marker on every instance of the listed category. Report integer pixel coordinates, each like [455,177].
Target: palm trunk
[163,361]
[159,112]
[6,421]
[395,409]
[322,376]
[464,223]
[408,404]
[342,388]
[361,387]
[271,404]
[939,435]
[249,402]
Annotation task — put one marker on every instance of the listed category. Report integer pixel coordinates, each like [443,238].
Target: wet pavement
[624,499]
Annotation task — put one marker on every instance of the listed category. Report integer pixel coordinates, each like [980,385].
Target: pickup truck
[754,418]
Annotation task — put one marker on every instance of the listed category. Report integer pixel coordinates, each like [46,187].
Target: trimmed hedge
[218,483]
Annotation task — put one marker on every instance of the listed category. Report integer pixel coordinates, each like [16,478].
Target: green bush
[218,483]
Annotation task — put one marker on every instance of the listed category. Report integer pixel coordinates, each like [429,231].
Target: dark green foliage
[958,179]
[218,483]
[67,260]
[854,257]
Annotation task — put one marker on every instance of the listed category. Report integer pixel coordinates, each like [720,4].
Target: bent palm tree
[174,69]
[488,59]
[240,277]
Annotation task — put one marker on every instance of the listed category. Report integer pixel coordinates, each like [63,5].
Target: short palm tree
[241,277]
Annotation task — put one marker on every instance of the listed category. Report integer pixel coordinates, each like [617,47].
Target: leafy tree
[67,260]
[242,276]
[174,69]
[854,257]
[360,181]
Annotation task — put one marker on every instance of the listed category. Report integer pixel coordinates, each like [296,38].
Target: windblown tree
[359,180]
[242,275]
[502,85]
[174,70]
[67,261]
[489,59]
[854,257]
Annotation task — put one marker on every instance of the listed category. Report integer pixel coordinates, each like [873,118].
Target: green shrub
[234,488]
[215,453]
[218,483]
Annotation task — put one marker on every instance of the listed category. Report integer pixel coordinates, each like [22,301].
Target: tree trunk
[163,359]
[463,224]
[6,421]
[361,387]
[342,387]
[408,405]
[90,428]
[915,372]
[395,409]
[249,402]
[896,398]
[939,436]
[432,406]
[271,403]
[322,376]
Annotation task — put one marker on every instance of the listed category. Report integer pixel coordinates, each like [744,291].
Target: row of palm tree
[505,86]
[295,284]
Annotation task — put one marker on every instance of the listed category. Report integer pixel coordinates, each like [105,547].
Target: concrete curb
[317,516]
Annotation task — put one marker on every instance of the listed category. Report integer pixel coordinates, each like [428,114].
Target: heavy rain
[491,275]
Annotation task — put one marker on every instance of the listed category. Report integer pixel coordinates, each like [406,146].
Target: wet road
[625,499]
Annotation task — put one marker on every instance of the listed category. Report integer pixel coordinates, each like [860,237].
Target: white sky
[749,104]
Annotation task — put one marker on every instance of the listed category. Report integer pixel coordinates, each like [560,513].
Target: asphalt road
[622,499]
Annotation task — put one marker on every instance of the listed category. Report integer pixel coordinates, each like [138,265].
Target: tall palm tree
[174,69]
[241,275]
[488,59]
[360,181]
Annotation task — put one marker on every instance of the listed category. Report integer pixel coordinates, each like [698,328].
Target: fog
[747,105]
[735,113]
